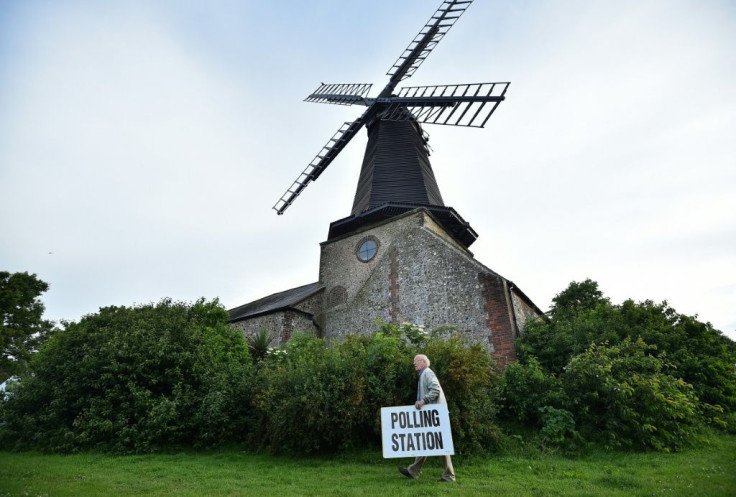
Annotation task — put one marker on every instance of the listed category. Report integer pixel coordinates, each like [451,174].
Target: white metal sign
[410,432]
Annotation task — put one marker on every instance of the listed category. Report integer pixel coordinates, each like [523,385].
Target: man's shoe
[447,480]
[405,472]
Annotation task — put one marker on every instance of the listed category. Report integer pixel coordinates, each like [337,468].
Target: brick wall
[498,316]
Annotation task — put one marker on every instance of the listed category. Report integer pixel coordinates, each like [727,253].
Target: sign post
[410,432]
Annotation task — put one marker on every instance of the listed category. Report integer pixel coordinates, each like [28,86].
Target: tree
[22,328]
[135,380]
[577,298]
[689,349]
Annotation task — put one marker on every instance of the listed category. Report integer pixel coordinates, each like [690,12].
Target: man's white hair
[422,357]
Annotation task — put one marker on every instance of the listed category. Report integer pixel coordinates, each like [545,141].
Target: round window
[367,249]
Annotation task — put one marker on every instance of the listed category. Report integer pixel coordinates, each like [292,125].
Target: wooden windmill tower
[396,175]
[401,255]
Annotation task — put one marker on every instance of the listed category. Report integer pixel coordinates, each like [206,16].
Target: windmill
[396,175]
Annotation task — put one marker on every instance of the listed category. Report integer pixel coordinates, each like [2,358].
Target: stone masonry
[419,274]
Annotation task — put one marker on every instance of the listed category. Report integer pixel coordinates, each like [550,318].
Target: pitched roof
[275,302]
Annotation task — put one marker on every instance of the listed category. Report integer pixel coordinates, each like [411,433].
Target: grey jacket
[429,389]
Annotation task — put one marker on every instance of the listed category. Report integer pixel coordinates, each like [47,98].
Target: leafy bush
[134,380]
[621,398]
[526,388]
[694,351]
[309,401]
[470,385]
[324,397]
[634,374]
[558,428]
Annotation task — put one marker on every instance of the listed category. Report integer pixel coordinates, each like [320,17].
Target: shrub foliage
[139,379]
[159,376]
[320,396]
[630,375]
[133,380]
[620,397]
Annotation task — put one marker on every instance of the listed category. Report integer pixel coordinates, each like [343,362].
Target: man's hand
[418,404]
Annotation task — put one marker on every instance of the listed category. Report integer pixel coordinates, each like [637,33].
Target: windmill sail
[396,175]
[428,37]
[323,158]
[341,94]
[453,105]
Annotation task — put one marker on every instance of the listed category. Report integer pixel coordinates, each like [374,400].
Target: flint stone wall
[281,325]
[420,274]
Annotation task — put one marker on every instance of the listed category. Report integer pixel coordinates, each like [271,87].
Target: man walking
[429,391]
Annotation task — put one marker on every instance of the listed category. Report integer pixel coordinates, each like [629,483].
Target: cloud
[144,144]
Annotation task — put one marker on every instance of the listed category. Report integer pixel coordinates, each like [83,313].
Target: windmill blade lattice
[420,47]
[452,105]
[340,94]
[323,158]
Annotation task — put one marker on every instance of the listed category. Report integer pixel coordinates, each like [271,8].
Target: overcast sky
[143,144]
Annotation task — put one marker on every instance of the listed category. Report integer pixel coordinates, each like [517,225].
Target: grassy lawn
[709,471]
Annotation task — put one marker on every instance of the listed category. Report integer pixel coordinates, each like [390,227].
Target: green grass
[709,471]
